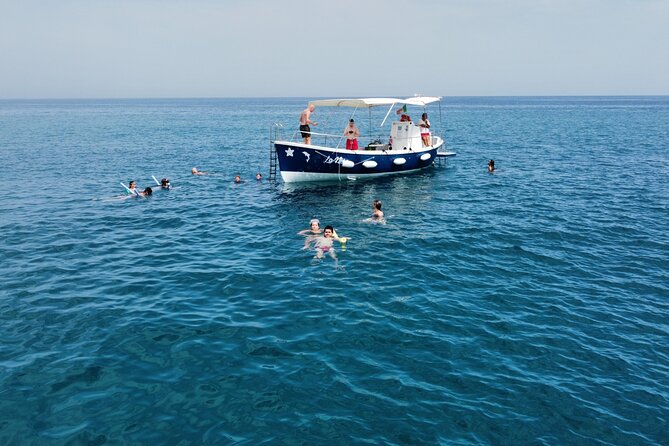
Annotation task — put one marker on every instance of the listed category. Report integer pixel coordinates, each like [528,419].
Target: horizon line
[100,98]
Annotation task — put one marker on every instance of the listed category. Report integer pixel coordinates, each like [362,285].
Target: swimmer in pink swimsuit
[324,243]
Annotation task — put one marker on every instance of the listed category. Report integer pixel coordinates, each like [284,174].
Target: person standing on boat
[351,133]
[305,120]
[424,125]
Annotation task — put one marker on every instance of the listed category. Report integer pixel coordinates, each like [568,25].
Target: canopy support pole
[370,123]
[386,117]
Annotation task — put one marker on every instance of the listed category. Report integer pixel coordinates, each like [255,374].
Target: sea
[528,306]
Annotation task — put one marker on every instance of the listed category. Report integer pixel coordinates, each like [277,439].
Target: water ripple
[524,307]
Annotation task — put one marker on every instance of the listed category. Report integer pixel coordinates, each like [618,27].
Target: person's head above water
[131,185]
[377,204]
[238,179]
[328,231]
[147,192]
[164,183]
[258,176]
[491,165]
[314,224]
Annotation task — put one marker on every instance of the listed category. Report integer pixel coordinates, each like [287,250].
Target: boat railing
[336,141]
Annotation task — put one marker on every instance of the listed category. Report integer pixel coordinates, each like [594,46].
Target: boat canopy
[374,102]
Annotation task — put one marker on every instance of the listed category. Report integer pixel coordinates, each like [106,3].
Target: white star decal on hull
[289,151]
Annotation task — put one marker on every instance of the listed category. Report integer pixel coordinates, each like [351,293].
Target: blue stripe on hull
[313,160]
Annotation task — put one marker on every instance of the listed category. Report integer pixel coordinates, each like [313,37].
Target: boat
[402,152]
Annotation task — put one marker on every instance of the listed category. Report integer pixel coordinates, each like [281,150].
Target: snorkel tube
[157,182]
[130,191]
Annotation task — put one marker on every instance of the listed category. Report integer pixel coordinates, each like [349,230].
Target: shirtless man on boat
[305,121]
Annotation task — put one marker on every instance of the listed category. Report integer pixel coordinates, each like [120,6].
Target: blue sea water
[528,306]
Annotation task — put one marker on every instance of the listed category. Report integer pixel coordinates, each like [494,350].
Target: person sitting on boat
[424,125]
[305,120]
[351,133]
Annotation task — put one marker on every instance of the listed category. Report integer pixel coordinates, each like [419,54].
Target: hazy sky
[208,48]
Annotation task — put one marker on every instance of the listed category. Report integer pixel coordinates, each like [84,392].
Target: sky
[342,48]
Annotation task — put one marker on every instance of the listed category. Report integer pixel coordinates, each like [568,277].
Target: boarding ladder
[274,134]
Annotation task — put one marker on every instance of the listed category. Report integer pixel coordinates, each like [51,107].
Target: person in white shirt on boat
[424,125]
[305,120]
[351,133]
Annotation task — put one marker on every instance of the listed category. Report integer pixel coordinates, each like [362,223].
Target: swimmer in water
[165,184]
[491,166]
[194,171]
[133,187]
[314,228]
[238,179]
[259,176]
[324,244]
[378,213]
[146,193]
[311,233]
